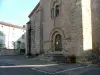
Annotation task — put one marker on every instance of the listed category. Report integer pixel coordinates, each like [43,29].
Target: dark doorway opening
[58,42]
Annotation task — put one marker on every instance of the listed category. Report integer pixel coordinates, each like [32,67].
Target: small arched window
[55,9]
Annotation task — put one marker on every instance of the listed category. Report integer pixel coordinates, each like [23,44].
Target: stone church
[68,27]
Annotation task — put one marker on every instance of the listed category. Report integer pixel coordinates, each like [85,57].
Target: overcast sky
[16,11]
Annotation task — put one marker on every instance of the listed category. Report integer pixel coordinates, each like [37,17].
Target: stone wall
[68,24]
[95,14]
[48,24]
[8,52]
[35,32]
[76,27]
[78,24]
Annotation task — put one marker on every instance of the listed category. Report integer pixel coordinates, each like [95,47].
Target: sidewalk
[42,64]
[24,60]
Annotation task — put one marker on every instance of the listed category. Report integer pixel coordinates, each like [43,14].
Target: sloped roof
[33,11]
[11,25]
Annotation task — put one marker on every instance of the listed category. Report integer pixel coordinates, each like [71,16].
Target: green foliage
[1,33]
[1,43]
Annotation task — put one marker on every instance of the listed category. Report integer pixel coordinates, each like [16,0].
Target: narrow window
[57,11]
[52,13]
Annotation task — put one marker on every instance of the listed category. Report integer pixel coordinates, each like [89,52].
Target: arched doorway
[58,42]
[57,39]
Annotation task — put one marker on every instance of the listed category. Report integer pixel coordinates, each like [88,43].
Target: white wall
[22,40]
[11,34]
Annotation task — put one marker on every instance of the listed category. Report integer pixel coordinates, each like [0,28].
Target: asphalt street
[7,67]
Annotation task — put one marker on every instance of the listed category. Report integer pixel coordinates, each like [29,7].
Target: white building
[12,33]
[22,42]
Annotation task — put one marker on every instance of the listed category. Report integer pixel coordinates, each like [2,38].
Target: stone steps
[59,58]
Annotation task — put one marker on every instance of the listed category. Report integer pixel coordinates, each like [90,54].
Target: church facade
[68,27]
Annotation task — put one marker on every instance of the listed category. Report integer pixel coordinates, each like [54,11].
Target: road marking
[70,69]
[58,71]
[43,71]
[18,66]
[89,65]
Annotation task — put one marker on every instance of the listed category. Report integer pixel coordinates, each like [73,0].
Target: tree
[1,41]
[1,33]
[1,44]
[18,45]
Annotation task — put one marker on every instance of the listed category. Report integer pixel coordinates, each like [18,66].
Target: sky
[16,11]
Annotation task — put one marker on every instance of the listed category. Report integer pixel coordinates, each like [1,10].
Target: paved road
[19,71]
[7,67]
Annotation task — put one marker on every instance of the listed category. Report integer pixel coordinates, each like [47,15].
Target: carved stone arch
[53,2]
[54,33]
[57,30]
